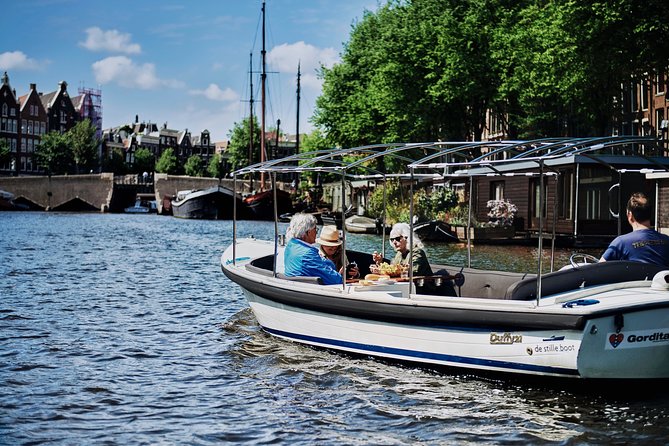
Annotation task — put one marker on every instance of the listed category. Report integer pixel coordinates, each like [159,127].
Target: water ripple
[118,329]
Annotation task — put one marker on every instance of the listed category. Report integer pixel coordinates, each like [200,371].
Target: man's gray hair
[299,225]
[404,230]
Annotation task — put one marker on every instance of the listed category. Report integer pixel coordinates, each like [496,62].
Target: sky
[184,63]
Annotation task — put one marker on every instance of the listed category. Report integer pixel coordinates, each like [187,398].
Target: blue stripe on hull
[412,355]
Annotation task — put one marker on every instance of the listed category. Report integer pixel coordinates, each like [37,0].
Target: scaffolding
[91,107]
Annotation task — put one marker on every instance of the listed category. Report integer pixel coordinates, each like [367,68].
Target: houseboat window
[535,203]
[566,194]
[497,190]
[593,199]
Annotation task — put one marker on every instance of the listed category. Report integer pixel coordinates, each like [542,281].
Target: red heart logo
[615,339]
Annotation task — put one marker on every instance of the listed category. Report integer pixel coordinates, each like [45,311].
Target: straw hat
[329,236]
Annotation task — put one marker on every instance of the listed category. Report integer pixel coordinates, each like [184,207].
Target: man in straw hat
[330,248]
[301,257]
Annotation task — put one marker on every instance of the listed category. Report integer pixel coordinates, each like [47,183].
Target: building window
[30,127]
[12,111]
[4,109]
[634,96]
[659,83]
[644,94]
[659,121]
[42,128]
[23,144]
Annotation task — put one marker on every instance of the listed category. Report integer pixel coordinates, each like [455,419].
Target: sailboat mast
[251,114]
[263,76]
[297,125]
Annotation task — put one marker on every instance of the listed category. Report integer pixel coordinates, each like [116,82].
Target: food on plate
[376,277]
[390,270]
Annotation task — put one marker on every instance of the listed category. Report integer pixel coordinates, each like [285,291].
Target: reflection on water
[121,329]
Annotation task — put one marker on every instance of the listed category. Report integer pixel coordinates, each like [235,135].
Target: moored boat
[435,231]
[360,224]
[261,204]
[214,203]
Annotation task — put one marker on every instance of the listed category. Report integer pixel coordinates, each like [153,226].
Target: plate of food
[387,269]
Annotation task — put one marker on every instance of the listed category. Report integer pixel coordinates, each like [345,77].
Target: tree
[84,144]
[194,166]
[426,70]
[167,163]
[215,167]
[115,163]
[240,141]
[53,154]
[144,161]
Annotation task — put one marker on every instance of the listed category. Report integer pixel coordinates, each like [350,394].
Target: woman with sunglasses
[399,239]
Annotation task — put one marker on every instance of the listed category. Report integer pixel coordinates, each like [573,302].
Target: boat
[435,231]
[261,204]
[141,208]
[6,201]
[595,322]
[214,203]
[334,218]
[360,224]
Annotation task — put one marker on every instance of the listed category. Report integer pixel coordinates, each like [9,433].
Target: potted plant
[500,220]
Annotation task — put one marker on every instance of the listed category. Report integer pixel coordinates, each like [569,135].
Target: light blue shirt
[303,259]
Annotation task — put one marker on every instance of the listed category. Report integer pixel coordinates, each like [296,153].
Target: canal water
[122,330]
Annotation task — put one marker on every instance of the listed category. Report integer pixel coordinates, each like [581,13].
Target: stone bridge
[103,192]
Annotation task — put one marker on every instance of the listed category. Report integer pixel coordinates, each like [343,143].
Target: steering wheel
[584,259]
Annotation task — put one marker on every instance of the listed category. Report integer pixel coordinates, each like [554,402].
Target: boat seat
[266,262]
[584,276]
[303,279]
[483,284]
[254,269]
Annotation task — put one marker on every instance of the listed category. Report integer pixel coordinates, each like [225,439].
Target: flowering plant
[501,213]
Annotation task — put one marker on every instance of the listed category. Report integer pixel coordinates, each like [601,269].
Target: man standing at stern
[643,244]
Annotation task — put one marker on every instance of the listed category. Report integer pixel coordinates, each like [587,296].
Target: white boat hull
[617,331]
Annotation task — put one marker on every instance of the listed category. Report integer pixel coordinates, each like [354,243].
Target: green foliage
[434,204]
[144,161]
[194,166]
[215,167]
[115,163]
[240,139]
[397,202]
[167,163]
[459,216]
[423,70]
[53,154]
[84,144]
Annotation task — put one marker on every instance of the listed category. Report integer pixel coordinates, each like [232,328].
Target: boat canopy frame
[455,159]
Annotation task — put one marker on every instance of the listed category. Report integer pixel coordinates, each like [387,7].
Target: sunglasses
[397,239]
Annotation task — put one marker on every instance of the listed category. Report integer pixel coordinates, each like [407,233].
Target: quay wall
[101,192]
[52,193]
